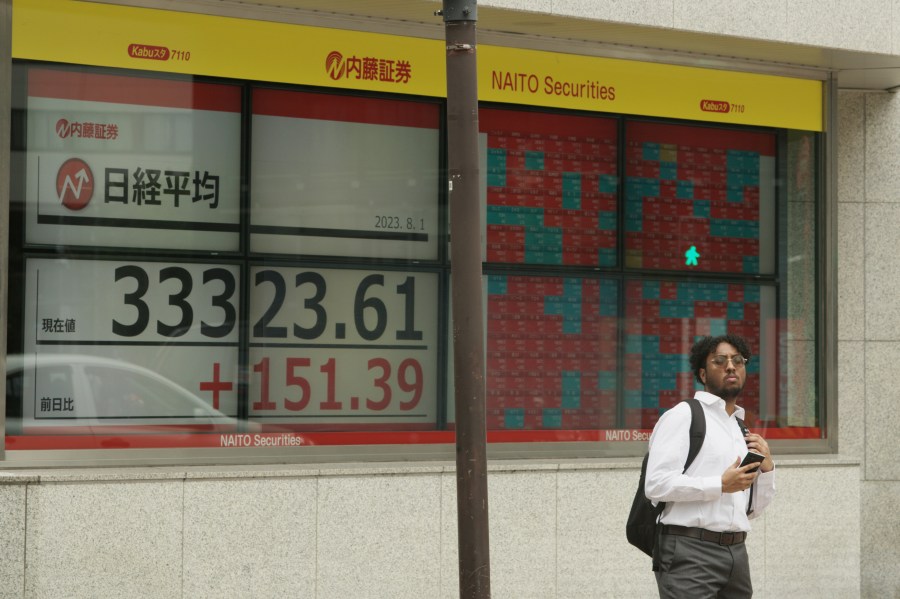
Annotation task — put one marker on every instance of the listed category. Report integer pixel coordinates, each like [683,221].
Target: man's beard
[726,393]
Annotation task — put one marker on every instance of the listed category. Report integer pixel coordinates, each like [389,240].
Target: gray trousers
[694,569]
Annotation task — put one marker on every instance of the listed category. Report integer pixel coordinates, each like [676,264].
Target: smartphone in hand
[752,458]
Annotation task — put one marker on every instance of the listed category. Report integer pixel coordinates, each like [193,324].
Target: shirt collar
[711,400]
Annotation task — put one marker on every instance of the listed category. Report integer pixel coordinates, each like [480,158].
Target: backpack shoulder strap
[698,430]
[745,431]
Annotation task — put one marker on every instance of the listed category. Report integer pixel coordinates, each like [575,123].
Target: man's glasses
[720,361]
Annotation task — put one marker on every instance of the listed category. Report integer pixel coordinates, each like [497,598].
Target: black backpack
[641,528]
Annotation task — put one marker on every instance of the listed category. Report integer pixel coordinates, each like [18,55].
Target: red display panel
[699,198]
[662,321]
[551,353]
[551,188]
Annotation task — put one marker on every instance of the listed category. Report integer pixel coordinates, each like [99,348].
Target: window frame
[441,447]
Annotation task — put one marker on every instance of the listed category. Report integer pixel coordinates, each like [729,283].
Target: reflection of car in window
[75,390]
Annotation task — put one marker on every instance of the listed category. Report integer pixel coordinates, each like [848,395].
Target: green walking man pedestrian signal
[690,256]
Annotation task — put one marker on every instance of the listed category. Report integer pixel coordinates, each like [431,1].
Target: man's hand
[739,478]
[758,444]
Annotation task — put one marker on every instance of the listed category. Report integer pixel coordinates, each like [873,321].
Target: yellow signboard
[651,89]
[161,40]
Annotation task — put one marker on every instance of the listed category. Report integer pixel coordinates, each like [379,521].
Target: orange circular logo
[74,184]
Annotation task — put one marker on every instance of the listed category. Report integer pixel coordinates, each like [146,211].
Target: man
[705,521]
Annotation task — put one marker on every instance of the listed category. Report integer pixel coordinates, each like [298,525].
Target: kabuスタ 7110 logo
[720,106]
[148,52]
[367,68]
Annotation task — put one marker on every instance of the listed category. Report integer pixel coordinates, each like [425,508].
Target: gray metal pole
[5,128]
[466,282]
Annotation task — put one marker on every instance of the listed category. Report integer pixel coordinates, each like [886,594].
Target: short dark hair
[704,346]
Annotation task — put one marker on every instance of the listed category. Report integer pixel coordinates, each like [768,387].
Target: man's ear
[703,375]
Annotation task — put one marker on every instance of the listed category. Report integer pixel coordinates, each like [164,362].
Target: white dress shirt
[695,497]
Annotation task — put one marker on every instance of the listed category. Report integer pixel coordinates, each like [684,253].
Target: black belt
[722,538]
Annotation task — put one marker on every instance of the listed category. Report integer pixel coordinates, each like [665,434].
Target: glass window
[699,199]
[662,320]
[196,283]
[699,237]
[552,359]
[137,162]
[211,263]
[550,188]
[343,176]
[343,349]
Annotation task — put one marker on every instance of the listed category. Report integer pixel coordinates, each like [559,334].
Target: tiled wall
[869,321]
[387,532]
[864,25]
